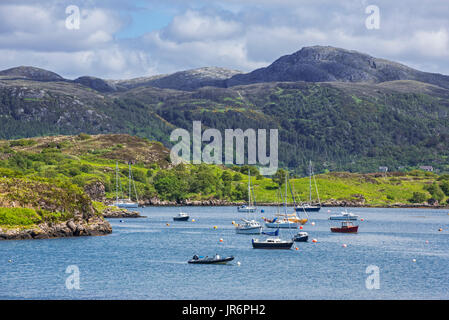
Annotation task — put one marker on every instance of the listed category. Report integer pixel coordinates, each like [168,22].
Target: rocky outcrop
[95,226]
[95,191]
[114,212]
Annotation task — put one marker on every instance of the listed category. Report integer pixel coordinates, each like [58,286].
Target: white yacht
[345,215]
[125,203]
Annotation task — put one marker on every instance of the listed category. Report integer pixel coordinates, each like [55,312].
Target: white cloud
[241,35]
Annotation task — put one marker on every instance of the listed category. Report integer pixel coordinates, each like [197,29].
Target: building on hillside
[426,168]
[383,169]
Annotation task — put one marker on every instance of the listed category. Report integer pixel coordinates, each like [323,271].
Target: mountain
[184,80]
[97,84]
[31,73]
[323,64]
[353,112]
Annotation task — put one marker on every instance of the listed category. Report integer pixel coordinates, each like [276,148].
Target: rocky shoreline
[94,226]
[359,202]
[114,212]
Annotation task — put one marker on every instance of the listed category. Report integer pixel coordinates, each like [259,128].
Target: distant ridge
[31,73]
[310,64]
[329,64]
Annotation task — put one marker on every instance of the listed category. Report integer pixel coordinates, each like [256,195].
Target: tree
[279,177]
[445,187]
[435,191]
[418,197]
[169,186]
[226,176]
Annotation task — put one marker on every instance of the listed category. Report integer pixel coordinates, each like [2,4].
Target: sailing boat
[285,220]
[249,207]
[124,203]
[309,206]
[248,226]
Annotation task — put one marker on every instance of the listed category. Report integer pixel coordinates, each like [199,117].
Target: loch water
[147,259]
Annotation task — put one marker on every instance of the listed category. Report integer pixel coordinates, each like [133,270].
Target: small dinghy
[210,260]
[272,243]
[271,233]
[301,237]
[181,217]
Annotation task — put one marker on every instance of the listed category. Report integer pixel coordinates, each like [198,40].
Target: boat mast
[116,181]
[249,188]
[129,181]
[310,181]
[285,194]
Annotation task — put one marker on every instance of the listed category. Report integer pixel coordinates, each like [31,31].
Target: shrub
[84,136]
[22,143]
[445,187]
[418,197]
[18,216]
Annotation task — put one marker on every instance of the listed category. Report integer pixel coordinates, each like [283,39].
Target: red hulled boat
[346,227]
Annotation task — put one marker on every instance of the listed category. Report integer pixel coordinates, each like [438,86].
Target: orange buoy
[215,227]
[296,248]
[300,227]
[361,219]
[440,229]
[221,240]
[168,224]
[314,240]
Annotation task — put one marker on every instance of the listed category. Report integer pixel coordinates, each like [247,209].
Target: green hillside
[352,127]
[84,161]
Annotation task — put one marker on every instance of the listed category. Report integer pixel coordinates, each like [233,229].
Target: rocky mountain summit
[328,64]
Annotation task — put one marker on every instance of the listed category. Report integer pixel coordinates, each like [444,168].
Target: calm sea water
[146,259]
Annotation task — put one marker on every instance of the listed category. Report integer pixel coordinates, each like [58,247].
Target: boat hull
[351,229]
[342,218]
[181,218]
[211,261]
[307,209]
[248,230]
[267,245]
[301,238]
[126,205]
[239,209]
[292,225]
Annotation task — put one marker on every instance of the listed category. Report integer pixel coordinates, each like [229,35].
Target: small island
[41,209]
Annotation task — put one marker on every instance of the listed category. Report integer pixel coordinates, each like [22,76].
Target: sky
[123,39]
